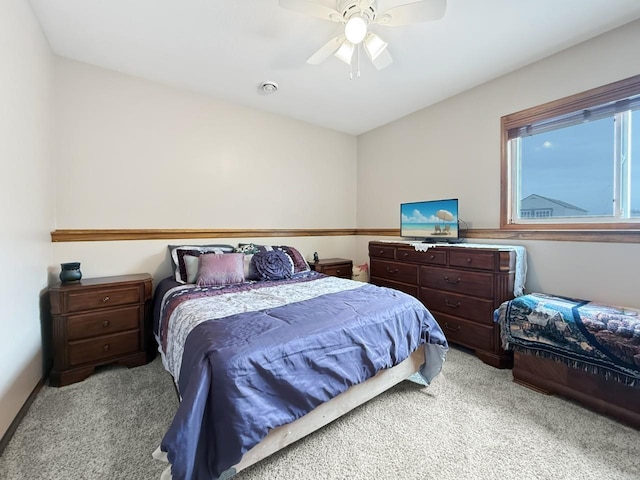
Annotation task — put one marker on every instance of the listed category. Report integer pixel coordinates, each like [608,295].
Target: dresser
[98,321]
[337,267]
[461,287]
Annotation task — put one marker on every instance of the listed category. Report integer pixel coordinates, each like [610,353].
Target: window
[570,164]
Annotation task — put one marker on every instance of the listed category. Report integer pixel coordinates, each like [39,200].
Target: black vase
[70,272]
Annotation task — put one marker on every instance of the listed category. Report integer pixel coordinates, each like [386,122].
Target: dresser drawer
[383,251]
[466,333]
[398,272]
[403,287]
[470,308]
[430,257]
[468,258]
[104,347]
[461,281]
[104,322]
[112,297]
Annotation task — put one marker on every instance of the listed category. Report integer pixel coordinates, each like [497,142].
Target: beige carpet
[473,422]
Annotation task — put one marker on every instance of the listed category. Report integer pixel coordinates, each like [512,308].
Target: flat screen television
[432,221]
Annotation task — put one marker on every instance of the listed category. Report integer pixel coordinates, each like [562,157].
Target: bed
[259,364]
[581,350]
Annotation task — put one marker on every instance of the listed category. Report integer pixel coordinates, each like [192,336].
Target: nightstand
[98,321]
[337,267]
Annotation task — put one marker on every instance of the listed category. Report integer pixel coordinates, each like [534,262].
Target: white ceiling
[226,48]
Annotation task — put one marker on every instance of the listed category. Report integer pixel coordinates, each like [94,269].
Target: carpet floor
[473,422]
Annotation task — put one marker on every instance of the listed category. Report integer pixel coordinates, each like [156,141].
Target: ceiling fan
[357,16]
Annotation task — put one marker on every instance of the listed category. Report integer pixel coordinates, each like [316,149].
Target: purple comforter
[247,373]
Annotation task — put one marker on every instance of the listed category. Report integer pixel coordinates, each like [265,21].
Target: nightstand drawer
[344,270]
[103,322]
[92,299]
[101,348]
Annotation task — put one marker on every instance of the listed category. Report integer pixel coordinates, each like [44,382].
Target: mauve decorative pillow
[177,253]
[220,269]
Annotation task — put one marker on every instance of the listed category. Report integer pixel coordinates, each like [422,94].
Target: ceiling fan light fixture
[374,45]
[355,29]
[345,52]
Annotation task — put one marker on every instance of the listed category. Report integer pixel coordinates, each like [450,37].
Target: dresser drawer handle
[452,282]
[431,257]
[449,304]
[106,323]
[380,252]
[105,299]
[405,254]
[107,347]
[338,271]
[453,329]
[468,259]
[392,270]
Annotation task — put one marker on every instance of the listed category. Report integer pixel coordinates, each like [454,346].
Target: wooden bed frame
[283,436]
[609,397]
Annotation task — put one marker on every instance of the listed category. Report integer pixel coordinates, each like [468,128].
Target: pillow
[179,251]
[273,265]
[220,269]
[299,262]
[191,263]
[250,272]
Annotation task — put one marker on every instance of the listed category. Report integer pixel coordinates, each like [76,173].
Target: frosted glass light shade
[355,30]
[345,52]
[374,45]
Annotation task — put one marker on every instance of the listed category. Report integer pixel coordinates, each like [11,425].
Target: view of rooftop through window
[578,170]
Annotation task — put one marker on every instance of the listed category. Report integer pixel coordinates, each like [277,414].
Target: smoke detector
[268,87]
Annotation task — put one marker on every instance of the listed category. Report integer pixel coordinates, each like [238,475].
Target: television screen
[434,220]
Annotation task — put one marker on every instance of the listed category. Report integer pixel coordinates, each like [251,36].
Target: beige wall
[131,153]
[452,149]
[26,201]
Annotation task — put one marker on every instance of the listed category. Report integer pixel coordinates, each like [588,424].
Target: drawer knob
[405,254]
[105,299]
[392,270]
[449,304]
[107,347]
[105,323]
[454,329]
[380,252]
[338,271]
[431,257]
[452,282]
[468,259]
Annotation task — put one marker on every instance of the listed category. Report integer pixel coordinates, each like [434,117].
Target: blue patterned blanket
[602,339]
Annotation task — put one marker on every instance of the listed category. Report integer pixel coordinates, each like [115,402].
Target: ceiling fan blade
[326,50]
[311,8]
[416,12]
[383,60]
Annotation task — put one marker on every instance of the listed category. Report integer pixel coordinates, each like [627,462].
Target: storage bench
[586,351]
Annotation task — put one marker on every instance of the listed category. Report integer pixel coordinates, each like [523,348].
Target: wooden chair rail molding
[618,236]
